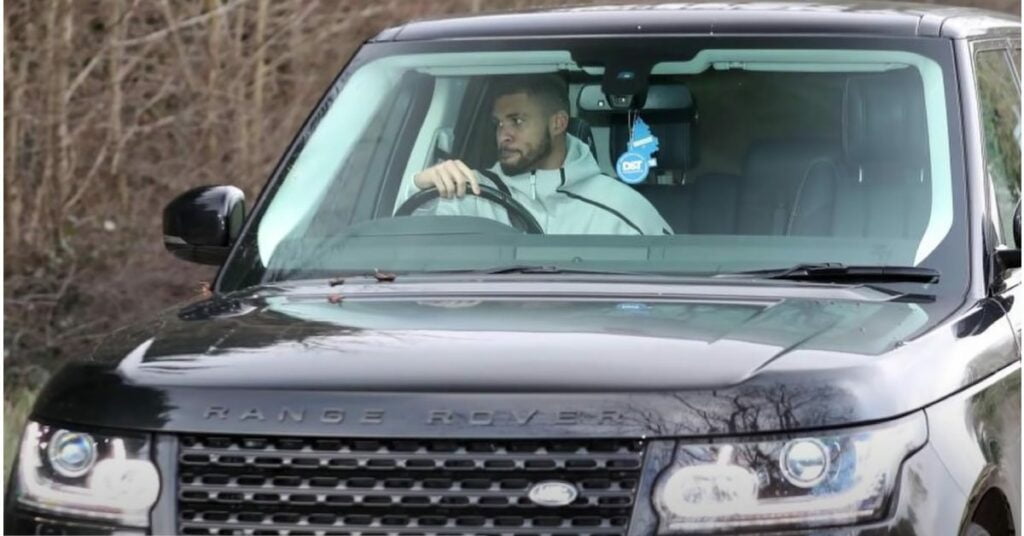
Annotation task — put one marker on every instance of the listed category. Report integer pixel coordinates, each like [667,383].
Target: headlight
[799,482]
[88,475]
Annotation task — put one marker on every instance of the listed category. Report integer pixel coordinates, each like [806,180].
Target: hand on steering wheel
[451,178]
[520,217]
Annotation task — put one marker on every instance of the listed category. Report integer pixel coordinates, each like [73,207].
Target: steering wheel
[517,214]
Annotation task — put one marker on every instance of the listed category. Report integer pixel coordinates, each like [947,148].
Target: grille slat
[364,457]
[377,524]
[293,486]
[340,530]
[412,492]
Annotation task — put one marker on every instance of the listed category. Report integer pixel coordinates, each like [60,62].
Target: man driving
[550,172]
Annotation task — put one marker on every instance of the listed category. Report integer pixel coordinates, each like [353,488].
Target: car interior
[778,158]
[750,153]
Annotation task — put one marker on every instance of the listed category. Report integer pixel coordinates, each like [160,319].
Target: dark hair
[549,89]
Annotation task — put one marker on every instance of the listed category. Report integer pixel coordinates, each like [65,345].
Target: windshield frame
[244,259]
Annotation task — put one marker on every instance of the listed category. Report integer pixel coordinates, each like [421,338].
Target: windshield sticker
[634,164]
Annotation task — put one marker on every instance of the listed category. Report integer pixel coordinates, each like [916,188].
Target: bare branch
[118,25]
[83,185]
[173,29]
[187,23]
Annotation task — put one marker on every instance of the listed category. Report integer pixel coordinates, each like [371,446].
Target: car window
[1015,54]
[709,157]
[1000,115]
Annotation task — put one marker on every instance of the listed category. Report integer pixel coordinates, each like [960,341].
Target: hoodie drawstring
[533,184]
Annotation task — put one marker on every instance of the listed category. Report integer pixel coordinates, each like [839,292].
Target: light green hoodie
[575,199]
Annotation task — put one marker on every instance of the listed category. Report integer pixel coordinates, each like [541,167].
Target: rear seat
[886,189]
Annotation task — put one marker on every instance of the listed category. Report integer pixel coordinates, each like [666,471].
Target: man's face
[523,134]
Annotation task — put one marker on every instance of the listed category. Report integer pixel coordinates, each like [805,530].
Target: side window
[1000,116]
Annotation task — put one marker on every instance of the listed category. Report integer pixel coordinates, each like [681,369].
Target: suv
[606,271]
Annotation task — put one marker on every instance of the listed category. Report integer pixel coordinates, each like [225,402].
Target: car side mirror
[1006,258]
[201,224]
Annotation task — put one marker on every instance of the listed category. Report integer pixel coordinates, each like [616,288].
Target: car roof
[849,18]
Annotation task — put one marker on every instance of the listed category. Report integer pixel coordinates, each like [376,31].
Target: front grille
[356,487]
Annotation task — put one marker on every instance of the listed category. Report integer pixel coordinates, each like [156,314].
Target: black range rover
[605,271]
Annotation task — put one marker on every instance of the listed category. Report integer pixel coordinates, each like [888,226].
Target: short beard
[529,162]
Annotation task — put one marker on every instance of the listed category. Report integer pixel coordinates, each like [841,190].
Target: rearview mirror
[659,97]
[201,224]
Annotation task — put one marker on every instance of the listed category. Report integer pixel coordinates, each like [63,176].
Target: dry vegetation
[112,107]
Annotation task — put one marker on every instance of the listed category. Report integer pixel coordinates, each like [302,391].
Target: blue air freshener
[634,165]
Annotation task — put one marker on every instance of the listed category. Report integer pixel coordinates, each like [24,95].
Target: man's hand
[449,177]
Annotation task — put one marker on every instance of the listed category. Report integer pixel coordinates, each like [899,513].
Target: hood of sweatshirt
[579,166]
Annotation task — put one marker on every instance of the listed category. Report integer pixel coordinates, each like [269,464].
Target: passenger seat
[886,190]
[788,188]
[705,206]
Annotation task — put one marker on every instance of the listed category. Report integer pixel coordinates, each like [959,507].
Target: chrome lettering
[286,413]
[332,416]
[216,411]
[525,419]
[566,418]
[481,418]
[373,416]
[252,414]
[440,417]
[613,417]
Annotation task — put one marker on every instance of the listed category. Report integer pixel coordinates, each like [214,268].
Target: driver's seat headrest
[580,129]
[884,118]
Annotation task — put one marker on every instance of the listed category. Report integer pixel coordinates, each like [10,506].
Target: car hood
[611,359]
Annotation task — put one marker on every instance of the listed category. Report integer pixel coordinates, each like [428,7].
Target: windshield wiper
[529,269]
[542,269]
[839,273]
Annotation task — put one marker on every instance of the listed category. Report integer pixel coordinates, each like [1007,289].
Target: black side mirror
[201,224]
[1007,258]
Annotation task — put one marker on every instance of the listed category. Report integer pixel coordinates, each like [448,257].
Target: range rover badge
[553,493]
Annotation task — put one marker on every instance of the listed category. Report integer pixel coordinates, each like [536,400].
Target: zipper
[561,189]
[533,184]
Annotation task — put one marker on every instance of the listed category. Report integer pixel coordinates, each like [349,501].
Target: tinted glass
[1000,115]
[716,156]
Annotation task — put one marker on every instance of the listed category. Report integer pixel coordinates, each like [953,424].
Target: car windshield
[683,156]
